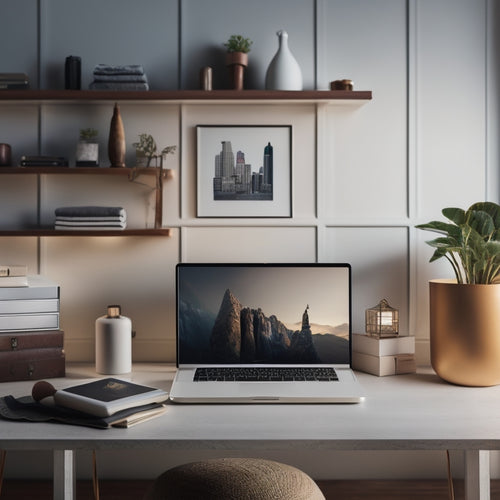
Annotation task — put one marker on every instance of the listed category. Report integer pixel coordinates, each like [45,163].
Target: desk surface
[416,411]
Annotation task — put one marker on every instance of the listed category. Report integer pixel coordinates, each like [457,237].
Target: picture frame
[244,170]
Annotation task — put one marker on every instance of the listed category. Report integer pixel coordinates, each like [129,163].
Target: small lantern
[382,320]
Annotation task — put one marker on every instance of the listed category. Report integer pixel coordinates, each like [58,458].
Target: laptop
[264,333]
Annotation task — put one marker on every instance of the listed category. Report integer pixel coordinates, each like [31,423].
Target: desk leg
[477,475]
[64,475]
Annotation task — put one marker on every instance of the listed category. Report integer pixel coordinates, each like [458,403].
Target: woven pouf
[234,479]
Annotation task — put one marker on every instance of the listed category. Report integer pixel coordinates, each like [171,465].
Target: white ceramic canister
[284,72]
[113,343]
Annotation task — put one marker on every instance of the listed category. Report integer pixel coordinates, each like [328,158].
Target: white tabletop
[416,411]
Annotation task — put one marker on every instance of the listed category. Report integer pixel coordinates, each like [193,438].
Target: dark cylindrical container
[5,155]
[73,73]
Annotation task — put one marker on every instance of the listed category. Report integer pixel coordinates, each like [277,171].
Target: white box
[374,346]
[381,366]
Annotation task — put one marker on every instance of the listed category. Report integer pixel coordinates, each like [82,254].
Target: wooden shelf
[186,96]
[130,172]
[39,232]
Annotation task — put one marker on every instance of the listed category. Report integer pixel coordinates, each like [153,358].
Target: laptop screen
[263,314]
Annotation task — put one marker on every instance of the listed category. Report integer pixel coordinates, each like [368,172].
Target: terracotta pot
[237,62]
[465,332]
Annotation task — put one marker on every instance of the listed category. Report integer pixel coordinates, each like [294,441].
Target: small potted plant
[464,312]
[146,151]
[237,48]
[87,149]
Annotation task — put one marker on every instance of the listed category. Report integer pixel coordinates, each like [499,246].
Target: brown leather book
[36,339]
[32,364]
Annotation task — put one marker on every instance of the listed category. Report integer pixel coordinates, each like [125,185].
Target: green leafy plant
[147,146]
[237,43]
[87,134]
[470,242]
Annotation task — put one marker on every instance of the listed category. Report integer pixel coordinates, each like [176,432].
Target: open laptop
[246,333]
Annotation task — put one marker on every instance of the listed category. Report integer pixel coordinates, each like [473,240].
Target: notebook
[246,333]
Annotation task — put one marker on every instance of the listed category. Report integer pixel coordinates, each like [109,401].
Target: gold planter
[465,332]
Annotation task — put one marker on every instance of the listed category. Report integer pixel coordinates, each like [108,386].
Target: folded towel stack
[90,218]
[128,77]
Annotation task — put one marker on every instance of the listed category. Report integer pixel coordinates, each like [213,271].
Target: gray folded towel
[90,211]
[129,69]
[73,220]
[91,227]
[119,86]
[120,78]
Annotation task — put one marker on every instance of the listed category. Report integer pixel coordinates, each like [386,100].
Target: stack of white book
[27,302]
[31,343]
[383,356]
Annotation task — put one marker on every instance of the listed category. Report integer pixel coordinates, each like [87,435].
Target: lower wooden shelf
[39,232]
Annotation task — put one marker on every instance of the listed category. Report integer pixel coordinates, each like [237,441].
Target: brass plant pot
[465,332]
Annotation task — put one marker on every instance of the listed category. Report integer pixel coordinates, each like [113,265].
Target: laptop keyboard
[284,374]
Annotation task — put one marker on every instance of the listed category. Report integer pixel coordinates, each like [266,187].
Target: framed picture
[244,171]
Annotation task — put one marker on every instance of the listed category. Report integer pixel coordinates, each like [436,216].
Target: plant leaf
[456,215]
[481,222]
[441,227]
[492,209]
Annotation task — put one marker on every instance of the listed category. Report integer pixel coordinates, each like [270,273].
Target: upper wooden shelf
[185,96]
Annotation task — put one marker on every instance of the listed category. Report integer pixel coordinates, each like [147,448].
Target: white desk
[407,412]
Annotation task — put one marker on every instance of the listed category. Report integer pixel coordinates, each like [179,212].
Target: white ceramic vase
[283,72]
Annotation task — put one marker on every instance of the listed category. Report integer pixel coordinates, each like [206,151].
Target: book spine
[29,306]
[45,321]
[20,270]
[32,364]
[43,163]
[13,281]
[20,341]
[38,288]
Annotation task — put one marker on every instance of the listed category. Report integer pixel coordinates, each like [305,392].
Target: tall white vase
[283,72]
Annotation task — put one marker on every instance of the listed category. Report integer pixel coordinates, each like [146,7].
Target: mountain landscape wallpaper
[263,315]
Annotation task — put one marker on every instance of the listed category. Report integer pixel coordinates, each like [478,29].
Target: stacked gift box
[383,356]
[31,343]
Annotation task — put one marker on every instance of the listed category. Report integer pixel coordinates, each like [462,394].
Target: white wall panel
[60,132]
[365,169]
[18,38]
[116,32]
[18,194]
[202,41]
[300,117]
[451,107]
[21,250]
[249,244]
[378,257]
[136,272]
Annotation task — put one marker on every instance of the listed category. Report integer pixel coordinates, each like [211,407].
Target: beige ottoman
[234,479]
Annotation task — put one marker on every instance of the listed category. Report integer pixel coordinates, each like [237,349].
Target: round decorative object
[284,71]
[116,141]
[344,84]
[464,332]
